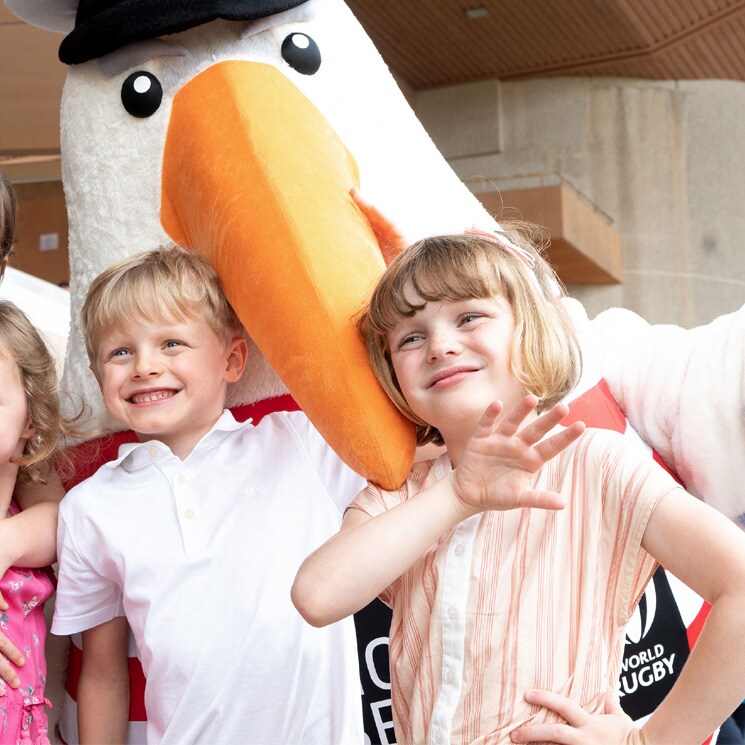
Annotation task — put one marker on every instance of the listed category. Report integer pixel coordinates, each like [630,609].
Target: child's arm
[368,554]
[103,690]
[29,539]
[706,552]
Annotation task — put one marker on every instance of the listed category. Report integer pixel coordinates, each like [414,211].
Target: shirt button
[181,479]
[438,737]
[460,550]
[452,612]
[449,676]
[152,451]
[190,514]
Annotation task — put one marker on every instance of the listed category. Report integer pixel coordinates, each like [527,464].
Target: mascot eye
[141,94]
[301,53]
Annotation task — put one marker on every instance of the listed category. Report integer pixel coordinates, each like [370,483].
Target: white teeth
[142,399]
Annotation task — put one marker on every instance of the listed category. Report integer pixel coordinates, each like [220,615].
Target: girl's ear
[236,357]
[29,432]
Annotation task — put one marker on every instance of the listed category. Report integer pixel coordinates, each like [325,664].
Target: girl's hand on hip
[496,469]
[613,727]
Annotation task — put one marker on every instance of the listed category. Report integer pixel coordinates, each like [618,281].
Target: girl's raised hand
[613,727]
[497,466]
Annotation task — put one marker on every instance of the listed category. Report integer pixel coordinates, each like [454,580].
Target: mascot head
[236,129]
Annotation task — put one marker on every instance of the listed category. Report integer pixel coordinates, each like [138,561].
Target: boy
[195,532]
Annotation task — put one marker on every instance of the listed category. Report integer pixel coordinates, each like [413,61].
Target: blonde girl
[29,537]
[514,561]
[30,435]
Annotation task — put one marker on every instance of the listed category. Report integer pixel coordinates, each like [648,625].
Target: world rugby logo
[657,646]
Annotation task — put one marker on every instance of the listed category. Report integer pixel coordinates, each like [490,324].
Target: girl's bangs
[451,276]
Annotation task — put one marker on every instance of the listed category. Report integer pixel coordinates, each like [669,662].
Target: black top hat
[101,26]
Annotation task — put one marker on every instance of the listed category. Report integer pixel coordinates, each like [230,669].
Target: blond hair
[545,355]
[21,343]
[165,283]
[8,209]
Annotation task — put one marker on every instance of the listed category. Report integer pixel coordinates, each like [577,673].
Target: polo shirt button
[459,550]
[449,677]
[152,451]
[181,478]
[190,514]
[452,612]
[438,737]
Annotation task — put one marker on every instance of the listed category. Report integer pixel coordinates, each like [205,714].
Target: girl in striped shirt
[514,561]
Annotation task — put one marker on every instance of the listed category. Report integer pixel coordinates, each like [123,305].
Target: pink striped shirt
[508,601]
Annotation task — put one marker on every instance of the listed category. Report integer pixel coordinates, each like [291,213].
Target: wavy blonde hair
[465,266]
[22,344]
[165,283]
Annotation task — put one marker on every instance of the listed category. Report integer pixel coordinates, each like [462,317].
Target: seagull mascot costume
[236,129]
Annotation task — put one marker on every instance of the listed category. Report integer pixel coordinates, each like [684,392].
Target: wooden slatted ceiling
[432,42]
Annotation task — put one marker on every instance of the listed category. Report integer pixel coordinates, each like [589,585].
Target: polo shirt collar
[136,455]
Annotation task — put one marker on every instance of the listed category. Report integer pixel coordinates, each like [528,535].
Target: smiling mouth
[453,375]
[146,398]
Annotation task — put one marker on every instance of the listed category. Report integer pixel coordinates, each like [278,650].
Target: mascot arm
[684,393]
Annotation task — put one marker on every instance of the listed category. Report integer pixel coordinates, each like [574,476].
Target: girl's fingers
[560,441]
[543,500]
[613,703]
[544,424]
[561,734]
[486,424]
[569,710]
[512,421]
[9,651]
[8,673]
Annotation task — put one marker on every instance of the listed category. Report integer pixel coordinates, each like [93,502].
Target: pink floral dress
[23,720]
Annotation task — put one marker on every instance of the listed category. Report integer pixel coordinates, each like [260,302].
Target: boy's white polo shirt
[200,555]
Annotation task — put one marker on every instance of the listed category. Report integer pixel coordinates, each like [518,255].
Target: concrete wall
[666,160]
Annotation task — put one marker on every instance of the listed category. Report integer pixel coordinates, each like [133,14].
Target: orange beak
[256,180]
